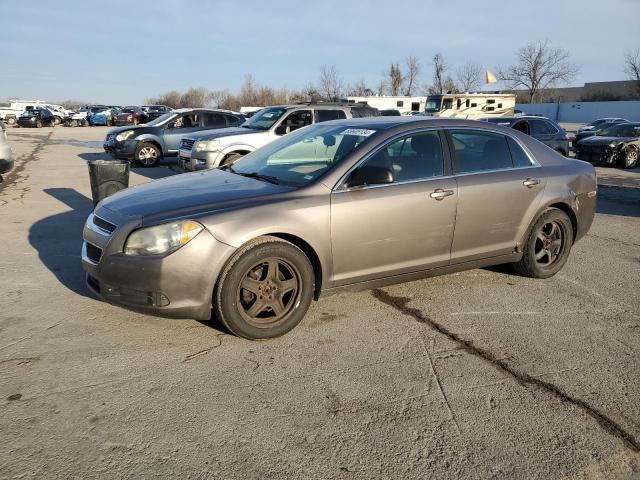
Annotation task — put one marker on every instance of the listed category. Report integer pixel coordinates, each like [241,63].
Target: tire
[56,121]
[271,267]
[11,121]
[547,246]
[38,124]
[147,154]
[629,158]
[229,159]
[84,123]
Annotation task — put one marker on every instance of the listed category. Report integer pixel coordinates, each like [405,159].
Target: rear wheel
[10,120]
[265,290]
[147,154]
[56,121]
[38,124]
[548,245]
[629,157]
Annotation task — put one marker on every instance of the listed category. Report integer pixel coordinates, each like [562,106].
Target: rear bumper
[178,285]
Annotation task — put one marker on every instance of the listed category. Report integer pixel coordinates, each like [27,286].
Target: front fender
[236,147]
[148,137]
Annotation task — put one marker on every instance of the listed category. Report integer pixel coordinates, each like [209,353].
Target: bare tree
[539,66]
[195,97]
[381,88]
[469,77]
[359,89]
[330,83]
[632,66]
[396,79]
[411,78]
[439,69]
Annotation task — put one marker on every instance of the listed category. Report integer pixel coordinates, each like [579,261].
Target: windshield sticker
[360,132]
[267,115]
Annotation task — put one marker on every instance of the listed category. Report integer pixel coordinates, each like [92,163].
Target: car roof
[383,123]
[202,109]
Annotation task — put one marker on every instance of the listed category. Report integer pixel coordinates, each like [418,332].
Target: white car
[6,153]
[214,148]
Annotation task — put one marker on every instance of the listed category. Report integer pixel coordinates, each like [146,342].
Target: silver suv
[212,149]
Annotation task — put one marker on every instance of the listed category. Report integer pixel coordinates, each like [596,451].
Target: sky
[123,52]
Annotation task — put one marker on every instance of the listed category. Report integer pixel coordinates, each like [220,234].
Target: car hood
[225,132]
[596,140]
[135,128]
[189,194]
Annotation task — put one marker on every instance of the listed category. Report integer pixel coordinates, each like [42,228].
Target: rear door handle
[531,182]
[439,193]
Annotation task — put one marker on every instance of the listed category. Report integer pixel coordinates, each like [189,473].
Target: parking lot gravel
[480,374]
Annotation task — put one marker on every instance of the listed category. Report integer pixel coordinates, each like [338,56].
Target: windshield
[265,118]
[303,156]
[162,119]
[433,104]
[625,130]
[596,123]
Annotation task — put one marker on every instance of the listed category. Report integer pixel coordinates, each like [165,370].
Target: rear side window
[540,127]
[520,159]
[478,151]
[326,115]
[214,120]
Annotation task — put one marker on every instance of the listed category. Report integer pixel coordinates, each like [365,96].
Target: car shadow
[623,201]
[58,239]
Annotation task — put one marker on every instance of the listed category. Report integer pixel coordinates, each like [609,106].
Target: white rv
[405,105]
[470,105]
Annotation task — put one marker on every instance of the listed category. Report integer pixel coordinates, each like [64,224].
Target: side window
[539,127]
[232,120]
[400,103]
[214,120]
[295,120]
[477,151]
[413,157]
[189,120]
[326,115]
[520,159]
[551,127]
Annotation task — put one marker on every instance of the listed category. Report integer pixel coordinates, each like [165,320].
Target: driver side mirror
[369,175]
[281,129]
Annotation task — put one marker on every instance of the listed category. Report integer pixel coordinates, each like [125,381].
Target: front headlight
[612,145]
[122,136]
[161,239]
[207,146]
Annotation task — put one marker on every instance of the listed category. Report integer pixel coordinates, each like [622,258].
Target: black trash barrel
[107,177]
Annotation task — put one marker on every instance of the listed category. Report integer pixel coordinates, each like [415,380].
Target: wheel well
[311,255]
[570,213]
[241,152]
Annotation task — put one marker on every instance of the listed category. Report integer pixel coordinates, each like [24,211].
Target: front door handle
[439,193]
[531,182]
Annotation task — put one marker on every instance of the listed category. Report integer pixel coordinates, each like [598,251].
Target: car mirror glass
[369,175]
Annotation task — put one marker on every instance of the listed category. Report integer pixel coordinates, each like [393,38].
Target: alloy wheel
[147,155]
[268,292]
[549,243]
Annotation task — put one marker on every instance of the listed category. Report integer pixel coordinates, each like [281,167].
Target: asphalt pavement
[480,374]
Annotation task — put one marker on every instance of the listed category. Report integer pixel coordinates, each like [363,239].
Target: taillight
[592,194]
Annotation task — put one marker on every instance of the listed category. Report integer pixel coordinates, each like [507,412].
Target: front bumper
[609,156]
[191,160]
[178,285]
[125,150]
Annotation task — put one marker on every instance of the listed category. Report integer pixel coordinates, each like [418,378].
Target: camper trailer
[404,104]
[470,105]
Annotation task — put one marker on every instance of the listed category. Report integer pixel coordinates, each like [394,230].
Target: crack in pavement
[609,425]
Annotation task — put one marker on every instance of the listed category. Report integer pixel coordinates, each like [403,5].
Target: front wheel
[229,159]
[38,124]
[147,154]
[265,290]
[10,121]
[629,158]
[547,248]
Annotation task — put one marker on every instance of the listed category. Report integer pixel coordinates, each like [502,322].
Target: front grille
[592,149]
[187,143]
[103,224]
[93,253]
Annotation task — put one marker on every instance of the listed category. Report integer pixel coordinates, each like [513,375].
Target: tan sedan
[339,205]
